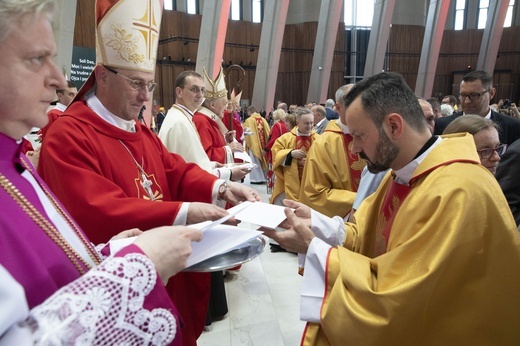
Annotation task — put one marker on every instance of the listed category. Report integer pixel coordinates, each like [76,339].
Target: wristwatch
[222,190]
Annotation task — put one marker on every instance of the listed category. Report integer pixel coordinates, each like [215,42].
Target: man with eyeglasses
[112,172]
[178,132]
[476,90]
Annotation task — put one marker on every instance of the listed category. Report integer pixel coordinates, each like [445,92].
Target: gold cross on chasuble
[304,143]
[394,198]
[355,163]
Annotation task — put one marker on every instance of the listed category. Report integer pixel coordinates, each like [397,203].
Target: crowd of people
[404,212]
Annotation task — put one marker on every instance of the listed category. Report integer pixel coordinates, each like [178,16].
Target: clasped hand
[297,235]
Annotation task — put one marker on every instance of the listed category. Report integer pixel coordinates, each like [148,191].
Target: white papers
[248,166]
[262,214]
[242,155]
[218,240]
[203,226]
[118,244]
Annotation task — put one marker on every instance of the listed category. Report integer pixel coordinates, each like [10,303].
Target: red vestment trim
[261,135]
[394,198]
[355,163]
[304,143]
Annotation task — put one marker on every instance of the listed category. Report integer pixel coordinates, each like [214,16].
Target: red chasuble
[232,123]
[212,139]
[53,115]
[278,129]
[85,163]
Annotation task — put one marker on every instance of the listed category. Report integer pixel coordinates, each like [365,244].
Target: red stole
[304,143]
[260,130]
[394,198]
[355,164]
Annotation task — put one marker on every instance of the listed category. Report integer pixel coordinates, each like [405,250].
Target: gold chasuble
[332,173]
[288,178]
[257,141]
[449,272]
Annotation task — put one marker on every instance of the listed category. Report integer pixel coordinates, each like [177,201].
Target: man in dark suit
[476,90]
[507,175]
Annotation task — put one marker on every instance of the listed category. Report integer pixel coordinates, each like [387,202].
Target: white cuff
[313,284]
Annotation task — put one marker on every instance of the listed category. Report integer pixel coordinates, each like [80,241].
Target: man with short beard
[428,259]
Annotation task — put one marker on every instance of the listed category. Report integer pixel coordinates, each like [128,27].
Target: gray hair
[341,92]
[302,111]
[13,10]
[329,103]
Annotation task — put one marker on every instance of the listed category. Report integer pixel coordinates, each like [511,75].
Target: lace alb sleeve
[105,307]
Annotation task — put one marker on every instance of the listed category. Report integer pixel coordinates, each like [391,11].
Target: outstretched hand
[200,212]
[301,210]
[297,238]
[237,193]
[168,248]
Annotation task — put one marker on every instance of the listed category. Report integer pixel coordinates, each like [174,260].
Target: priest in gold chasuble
[431,256]
[332,172]
[289,154]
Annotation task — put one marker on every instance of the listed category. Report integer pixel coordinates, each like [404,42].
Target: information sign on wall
[83,62]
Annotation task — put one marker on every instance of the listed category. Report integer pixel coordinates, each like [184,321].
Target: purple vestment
[31,257]
[134,299]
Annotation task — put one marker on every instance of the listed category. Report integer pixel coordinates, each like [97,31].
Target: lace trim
[105,307]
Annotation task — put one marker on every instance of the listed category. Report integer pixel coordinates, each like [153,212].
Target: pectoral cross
[147,186]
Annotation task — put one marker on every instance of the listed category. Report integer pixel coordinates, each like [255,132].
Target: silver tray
[244,253]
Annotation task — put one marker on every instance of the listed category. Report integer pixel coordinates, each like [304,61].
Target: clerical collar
[298,133]
[426,146]
[60,106]
[95,104]
[184,108]
[488,115]
[404,174]
[344,127]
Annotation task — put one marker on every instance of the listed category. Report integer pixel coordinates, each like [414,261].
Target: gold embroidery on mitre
[127,35]
[124,44]
[147,26]
[215,89]
[234,97]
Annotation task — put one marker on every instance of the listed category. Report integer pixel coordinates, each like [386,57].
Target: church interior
[299,52]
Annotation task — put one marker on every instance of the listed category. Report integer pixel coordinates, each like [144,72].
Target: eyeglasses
[138,85]
[487,152]
[197,90]
[472,96]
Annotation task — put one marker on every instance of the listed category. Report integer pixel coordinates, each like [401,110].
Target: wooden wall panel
[459,50]
[178,52]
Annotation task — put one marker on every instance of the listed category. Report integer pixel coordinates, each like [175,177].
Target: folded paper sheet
[219,238]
